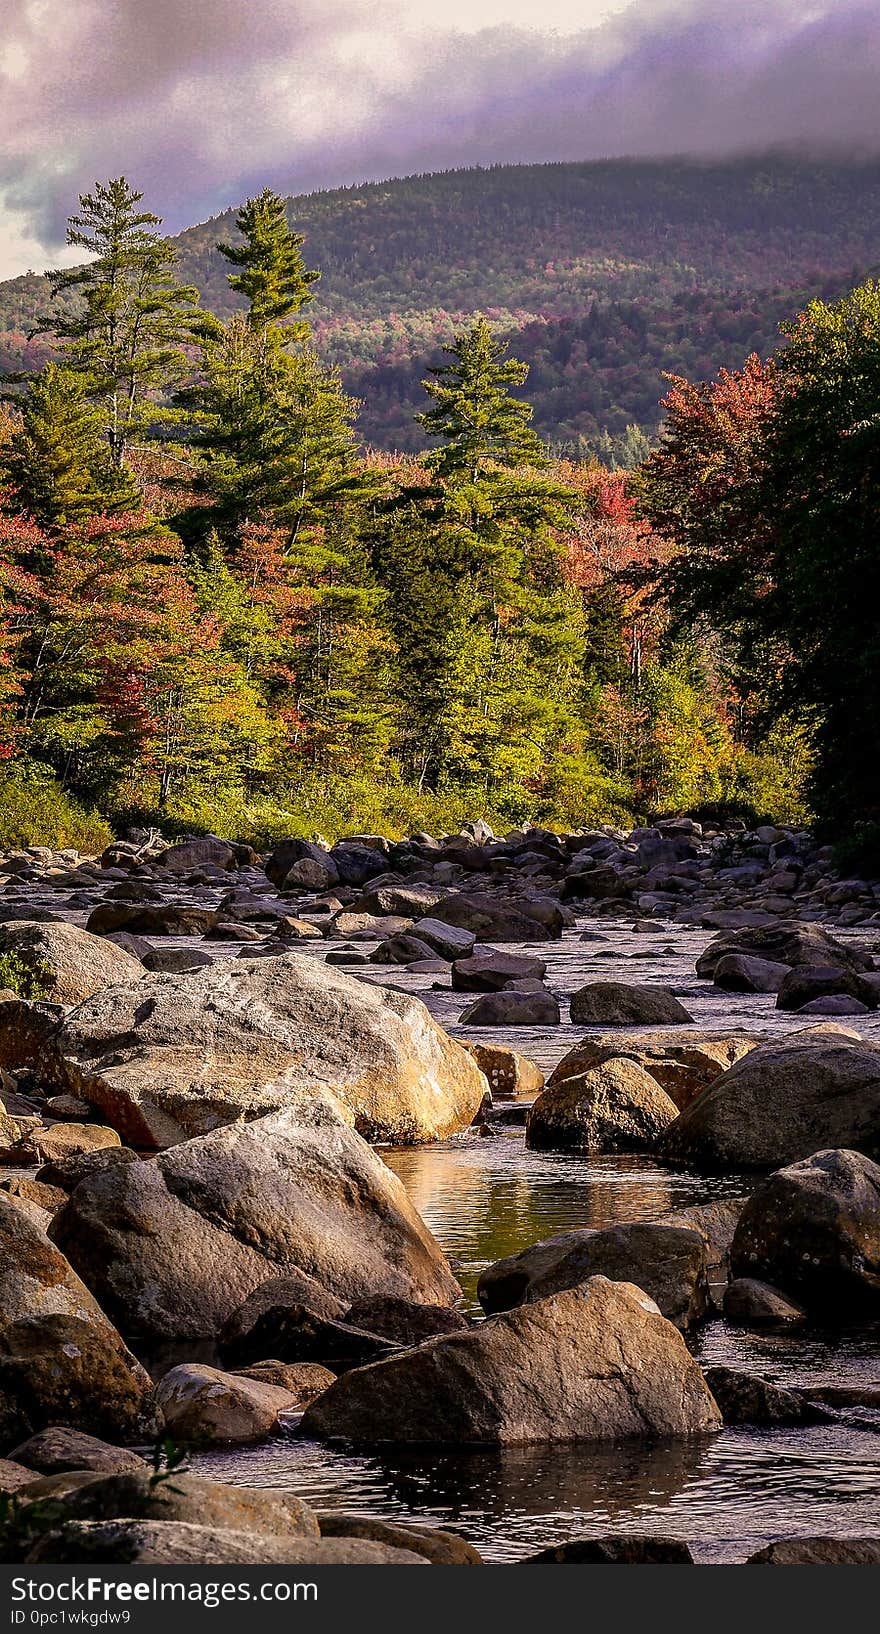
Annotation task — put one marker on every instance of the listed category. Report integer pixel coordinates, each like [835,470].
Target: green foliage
[274,279]
[58,459]
[35,810]
[479,422]
[29,981]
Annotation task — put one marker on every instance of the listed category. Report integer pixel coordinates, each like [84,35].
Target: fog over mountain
[202,102]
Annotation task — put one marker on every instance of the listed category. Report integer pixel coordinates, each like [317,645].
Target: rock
[298,1191]
[204,1405]
[744,973]
[616,1107]
[813,1230]
[160,919]
[509,1076]
[66,1140]
[304,1380]
[70,964]
[403,1321]
[409,901]
[620,1004]
[288,852]
[682,1063]
[819,1552]
[716,1224]
[438,1547]
[61,1362]
[400,950]
[57,1449]
[744,1398]
[803,986]
[449,941]
[293,1333]
[67,1107]
[174,1543]
[614,1551]
[836,1004]
[668,1262]
[503,919]
[277,1293]
[13,1476]
[172,1057]
[753,1304]
[46,1197]
[191,855]
[512,1008]
[488,971]
[310,875]
[176,961]
[25,1028]
[66,1171]
[793,945]
[597,1362]
[784,1101]
[197,1502]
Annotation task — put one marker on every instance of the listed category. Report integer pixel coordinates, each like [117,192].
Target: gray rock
[512,1008]
[622,1004]
[615,1107]
[71,964]
[754,1304]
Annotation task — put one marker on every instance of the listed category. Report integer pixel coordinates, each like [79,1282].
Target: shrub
[36,810]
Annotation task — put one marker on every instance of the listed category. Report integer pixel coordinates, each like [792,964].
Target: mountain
[604,275]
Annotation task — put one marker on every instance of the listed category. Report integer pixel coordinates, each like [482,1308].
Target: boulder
[61,1362]
[66,1170]
[71,965]
[808,983]
[277,1293]
[784,1101]
[293,1333]
[159,919]
[716,1224]
[512,1008]
[287,852]
[295,1192]
[25,1028]
[204,1405]
[24,1186]
[818,1552]
[784,943]
[615,1107]
[668,1262]
[403,1321]
[13,1476]
[487,971]
[311,875]
[304,1380]
[206,852]
[503,919]
[622,1004]
[177,1056]
[439,1548]
[70,1140]
[58,1449]
[614,1551]
[836,1004]
[597,1362]
[744,973]
[682,1063]
[813,1230]
[191,1499]
[400,950]
[509,1076]
[176,1543]
[449,941]
[744,1398]
[753,1304]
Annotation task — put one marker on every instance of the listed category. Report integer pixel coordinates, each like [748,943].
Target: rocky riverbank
[204,1051]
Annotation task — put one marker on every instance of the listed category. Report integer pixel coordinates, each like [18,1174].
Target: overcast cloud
[199,101]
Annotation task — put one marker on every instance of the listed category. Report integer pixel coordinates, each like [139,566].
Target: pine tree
[479,422]
[122,319]
[274,278]
[58,459]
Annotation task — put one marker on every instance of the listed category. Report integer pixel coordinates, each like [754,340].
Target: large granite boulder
[625,1004]
[595,1363]
[813,1230]
[171,1057]
[61,1362]
[683,1063]
[667,1261]
[69,963]
[174,1245]
[203,1405]
[615,1107]
[784,1101]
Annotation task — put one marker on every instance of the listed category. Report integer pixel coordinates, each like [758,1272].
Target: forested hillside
[604,276]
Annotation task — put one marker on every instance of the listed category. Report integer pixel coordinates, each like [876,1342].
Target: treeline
[601,276]
[218,610]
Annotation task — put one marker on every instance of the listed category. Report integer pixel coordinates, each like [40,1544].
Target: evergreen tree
[122,318]
[479,422]
[274,278]
[58,457]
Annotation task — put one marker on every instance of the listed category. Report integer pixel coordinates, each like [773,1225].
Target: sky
[199,102]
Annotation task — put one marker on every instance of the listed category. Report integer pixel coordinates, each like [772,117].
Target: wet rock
[438,1547]
[298,1191]
[621,1004]
[682,1063]
[204,1405]
[179,1056]
[403,1321]
[304,1380]
[594,1363]
[277,1293]
[61,1362]
[818,1552]
[488,971]
[785,1100]
[744,973]
[615,1107]
[512,1008]
[813,1230]
[614,1551]
[174,1543]
[58,1449]
[197,1502]
[293,1333]
[509,1076]
[794,945]
[70,964]
[804,986]
[836,1004]
[668,1262]
[744,1398]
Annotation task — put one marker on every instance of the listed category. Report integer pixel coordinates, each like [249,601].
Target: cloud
[201,102]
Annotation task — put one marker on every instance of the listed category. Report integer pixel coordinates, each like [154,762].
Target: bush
[29,981]
[36,810]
